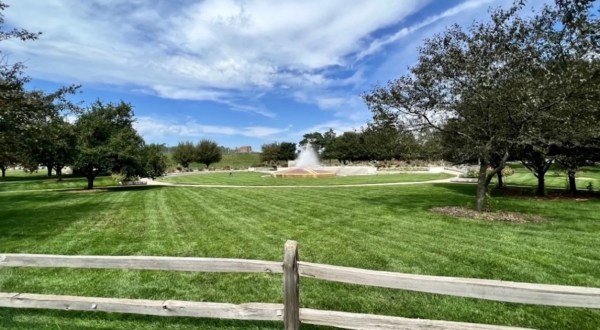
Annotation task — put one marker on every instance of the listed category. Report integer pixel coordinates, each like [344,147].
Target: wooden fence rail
[290,312]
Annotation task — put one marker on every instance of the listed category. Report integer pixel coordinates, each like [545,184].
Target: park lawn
[262,179]
[236,161]
[555,178]
[384,228]
[233,161]
[44,182]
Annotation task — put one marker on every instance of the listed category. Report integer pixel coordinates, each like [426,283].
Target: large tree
[12,98]
[481,86]
[107,141]
[208,152]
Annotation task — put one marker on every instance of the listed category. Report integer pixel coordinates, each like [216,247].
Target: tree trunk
[58,170]
[541,186]
[572,183]
[500,179]
[3,172]
[481,187]
[49,168]
[90,182]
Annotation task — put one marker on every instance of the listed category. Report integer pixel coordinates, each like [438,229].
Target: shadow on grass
[131,188]
[39,215]
[36,177]
[46,319]
[424,198]
[460,188]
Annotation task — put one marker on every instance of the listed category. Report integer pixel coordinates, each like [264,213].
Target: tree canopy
[488,86]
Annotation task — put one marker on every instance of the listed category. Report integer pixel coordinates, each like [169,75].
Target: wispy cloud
[158,127]
[379,43]
[204,50]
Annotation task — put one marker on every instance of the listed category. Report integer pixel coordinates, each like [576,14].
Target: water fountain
[306,165]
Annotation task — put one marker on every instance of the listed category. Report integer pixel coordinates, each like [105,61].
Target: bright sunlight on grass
[384,228]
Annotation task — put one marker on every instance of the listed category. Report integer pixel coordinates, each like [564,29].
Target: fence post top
[290,244]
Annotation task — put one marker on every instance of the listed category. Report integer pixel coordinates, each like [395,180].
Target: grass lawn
[229,160]
[555,178]
[37,182]
[383,228]
[261,179]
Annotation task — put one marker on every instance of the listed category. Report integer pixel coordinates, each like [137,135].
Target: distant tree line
[374,143]
[204,152]
[34,129]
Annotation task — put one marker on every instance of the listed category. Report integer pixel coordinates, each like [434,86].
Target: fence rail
[139,262]
[289,312]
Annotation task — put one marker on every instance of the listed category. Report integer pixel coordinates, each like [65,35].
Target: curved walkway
[160,183]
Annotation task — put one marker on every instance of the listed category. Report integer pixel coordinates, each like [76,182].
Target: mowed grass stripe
[387,228]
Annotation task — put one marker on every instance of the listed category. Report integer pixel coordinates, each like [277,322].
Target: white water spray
[308,158]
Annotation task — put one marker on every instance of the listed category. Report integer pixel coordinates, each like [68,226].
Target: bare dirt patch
[504,216]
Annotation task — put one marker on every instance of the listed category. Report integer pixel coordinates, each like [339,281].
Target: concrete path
[151,182]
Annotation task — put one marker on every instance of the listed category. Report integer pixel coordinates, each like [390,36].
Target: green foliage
[154,160]
[207,152]
[287,151]
[184,153]
[494,87]
[270,153]
[107,141]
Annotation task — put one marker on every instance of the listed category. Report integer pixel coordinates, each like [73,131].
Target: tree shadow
[38,215]
[76,320]
[424,199]
[460,188]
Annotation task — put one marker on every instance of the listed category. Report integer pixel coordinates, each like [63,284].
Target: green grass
[262,179]
[385,228]
[230,161]
[555,177]
[239,161]
[44,182]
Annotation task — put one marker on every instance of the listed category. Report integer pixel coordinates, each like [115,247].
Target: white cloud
[151,127]
[377,44]
[207,50]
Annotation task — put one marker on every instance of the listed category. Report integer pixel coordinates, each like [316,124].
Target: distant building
[244,150]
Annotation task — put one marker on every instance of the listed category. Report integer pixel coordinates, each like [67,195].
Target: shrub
[508,171]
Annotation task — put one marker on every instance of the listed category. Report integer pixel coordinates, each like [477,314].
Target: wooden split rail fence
[289,312]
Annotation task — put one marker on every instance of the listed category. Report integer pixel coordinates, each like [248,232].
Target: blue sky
[237,72]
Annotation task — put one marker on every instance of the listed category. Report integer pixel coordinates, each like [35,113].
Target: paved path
[150,182]
[160,183]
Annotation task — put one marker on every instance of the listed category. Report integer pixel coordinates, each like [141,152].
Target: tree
[208,152]
[350,146]
[478,85]
[12,83]
[107,141]
[53,146]
[270,153]
[184,153]
[315,139]
[154,160]
[287,151]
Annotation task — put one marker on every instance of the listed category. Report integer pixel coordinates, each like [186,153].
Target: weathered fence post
[291,287]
